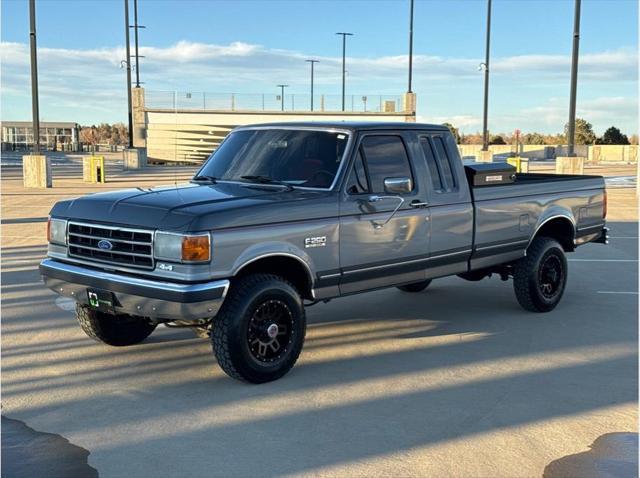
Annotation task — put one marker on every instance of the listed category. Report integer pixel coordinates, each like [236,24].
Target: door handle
[377,198]
[418,204]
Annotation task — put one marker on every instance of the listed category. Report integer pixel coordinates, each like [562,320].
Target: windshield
[296,157]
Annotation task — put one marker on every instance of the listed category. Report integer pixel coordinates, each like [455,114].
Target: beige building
[187,127]
[54,136]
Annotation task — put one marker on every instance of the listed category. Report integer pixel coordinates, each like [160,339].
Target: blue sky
[249,46]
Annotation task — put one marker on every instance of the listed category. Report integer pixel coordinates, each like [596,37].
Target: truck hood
[188,207]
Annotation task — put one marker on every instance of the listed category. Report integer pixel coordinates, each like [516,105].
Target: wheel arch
[286,265]
[560,227]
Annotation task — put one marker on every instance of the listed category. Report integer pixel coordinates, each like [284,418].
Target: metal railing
[205,101]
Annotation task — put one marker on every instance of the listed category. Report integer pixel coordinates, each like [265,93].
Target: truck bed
[527,184]
[506,216]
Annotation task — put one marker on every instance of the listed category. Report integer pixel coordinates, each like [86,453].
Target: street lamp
[485,65]
[282,87]
[312,63]
[128,60]
[410,44]
[136,27]
[574,80]
[34,77]
[344,49]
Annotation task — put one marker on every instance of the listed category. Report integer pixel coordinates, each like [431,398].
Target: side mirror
[398,185]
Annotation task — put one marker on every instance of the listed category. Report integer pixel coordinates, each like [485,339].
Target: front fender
[270,249]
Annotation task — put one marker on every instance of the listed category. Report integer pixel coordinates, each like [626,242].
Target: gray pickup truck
[286,215]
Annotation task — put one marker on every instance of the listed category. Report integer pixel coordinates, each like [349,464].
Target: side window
[445,163]
[358,183]
[434,172]
[386,157]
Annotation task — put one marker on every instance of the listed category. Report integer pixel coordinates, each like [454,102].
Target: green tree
[497,139]
[454,131]
[533,138]
[584,132]
[613,136]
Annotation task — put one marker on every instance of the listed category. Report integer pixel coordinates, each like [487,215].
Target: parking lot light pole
[136,27]
[312,63]
[128,62]
[282,87]
[34,77]
[574,81]
[344,70]
[485,131]
[410,45]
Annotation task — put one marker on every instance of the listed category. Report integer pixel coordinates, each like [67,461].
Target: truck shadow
[612,454]
[381,374]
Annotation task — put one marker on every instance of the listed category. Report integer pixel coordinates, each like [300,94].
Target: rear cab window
[439,162]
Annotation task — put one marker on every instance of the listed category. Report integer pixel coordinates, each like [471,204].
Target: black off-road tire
[415,287]
[116,330]
[231,329]
[532,290]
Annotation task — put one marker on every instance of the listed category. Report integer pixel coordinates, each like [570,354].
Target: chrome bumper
[137,296]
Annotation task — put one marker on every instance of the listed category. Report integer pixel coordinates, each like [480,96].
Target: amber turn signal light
[196,248]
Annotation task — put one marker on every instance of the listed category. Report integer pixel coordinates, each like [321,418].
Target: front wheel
[415,287]
[117,330]
[539,279]
[258,334]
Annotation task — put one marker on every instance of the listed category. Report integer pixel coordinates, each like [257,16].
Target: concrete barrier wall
[595,153]
[579,150]
[613,153]
[472,149]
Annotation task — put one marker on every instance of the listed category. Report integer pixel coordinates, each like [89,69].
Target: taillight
[604,205]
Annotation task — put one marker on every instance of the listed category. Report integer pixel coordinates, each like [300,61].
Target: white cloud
[602,112]
[89,85]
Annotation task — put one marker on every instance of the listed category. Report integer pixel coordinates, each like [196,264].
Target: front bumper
[137,296]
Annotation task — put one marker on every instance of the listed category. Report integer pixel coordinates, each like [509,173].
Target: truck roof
[354,125]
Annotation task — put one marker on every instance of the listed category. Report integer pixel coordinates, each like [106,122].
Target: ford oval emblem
[105,245]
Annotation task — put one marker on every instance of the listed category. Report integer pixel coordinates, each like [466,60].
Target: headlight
[182,247]
[57,231]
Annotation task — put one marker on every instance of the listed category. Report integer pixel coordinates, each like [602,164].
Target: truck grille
[120,246]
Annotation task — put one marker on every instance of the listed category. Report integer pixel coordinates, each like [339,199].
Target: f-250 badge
[319,241]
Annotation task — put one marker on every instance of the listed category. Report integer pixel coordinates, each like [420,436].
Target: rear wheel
[539,279]
[258,334]
[415,287]
[117,330]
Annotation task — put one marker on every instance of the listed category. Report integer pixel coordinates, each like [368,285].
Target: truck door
[451,209]
[384,226]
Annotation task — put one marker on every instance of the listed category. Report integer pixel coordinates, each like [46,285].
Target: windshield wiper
[211,179]
[267,180]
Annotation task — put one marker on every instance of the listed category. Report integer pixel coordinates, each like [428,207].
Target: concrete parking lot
[455,381]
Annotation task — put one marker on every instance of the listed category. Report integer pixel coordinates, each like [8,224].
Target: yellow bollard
[521,164]
[93,169]
[97,169]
